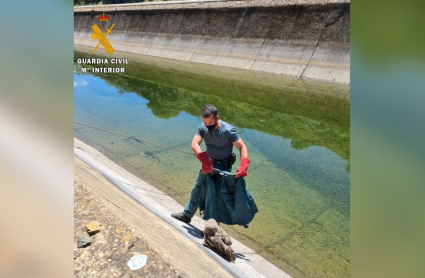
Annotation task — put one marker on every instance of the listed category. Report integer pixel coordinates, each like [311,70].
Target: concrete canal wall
[307,39]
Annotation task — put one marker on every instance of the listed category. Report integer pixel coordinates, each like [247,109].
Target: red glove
[243,168]
[206,163]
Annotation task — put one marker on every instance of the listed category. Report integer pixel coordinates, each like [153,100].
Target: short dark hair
[209,110]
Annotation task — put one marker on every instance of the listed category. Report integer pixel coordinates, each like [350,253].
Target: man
[220,137]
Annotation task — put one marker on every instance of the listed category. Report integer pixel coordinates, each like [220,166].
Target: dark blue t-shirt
[219,142]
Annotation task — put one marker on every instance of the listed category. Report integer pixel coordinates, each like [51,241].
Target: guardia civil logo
[100,36]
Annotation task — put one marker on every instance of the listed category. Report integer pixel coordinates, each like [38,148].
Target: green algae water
[296,132]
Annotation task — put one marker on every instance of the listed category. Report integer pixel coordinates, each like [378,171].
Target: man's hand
[206,163]
[243,168]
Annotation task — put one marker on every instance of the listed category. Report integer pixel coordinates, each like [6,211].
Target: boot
[181,217]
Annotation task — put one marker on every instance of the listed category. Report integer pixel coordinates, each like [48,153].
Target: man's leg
[193,203]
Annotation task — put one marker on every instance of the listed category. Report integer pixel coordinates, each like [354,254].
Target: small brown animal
[216,238]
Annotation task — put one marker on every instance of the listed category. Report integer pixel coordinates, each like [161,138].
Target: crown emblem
[103,17]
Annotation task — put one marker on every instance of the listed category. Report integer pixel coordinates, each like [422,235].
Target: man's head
[210,116]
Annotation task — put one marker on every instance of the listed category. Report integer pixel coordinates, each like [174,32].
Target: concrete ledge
[184,4]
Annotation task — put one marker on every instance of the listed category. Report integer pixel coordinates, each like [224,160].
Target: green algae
[315,114]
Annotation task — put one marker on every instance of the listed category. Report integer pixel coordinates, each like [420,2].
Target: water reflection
[308,116]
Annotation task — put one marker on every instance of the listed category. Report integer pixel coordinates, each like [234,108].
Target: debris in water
[138,141]
[137,262]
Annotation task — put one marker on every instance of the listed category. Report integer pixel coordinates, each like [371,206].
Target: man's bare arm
[242,148]
[196,142]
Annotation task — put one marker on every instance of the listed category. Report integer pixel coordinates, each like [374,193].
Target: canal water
[296,131]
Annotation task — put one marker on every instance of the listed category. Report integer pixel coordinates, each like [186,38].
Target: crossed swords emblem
[98,34]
